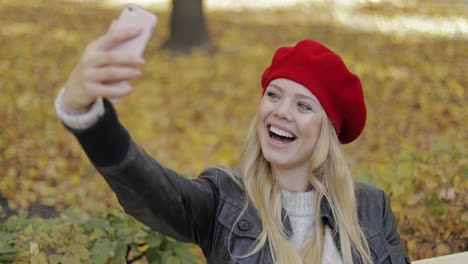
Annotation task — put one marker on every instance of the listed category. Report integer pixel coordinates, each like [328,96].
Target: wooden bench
[459,258]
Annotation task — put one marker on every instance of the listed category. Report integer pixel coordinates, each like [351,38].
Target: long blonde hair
[330,177]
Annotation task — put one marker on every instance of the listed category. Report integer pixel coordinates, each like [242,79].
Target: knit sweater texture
[301,211]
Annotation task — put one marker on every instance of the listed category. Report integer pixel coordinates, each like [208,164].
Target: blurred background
[200,88]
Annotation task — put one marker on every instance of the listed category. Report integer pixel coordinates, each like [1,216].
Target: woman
[292,200]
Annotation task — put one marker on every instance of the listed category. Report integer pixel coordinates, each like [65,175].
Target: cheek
[259,124]
[313,127]
[318,127]
[262,107]
[262,112]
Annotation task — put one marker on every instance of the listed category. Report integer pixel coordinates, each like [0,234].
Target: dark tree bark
[5,210]
[188,28]
[35,209]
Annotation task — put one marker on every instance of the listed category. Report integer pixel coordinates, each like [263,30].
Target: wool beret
[324,73]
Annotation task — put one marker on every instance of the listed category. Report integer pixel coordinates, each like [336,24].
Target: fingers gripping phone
[133,15]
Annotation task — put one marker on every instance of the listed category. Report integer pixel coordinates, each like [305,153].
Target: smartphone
[133,15]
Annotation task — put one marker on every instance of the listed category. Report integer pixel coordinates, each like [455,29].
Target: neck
[292,179]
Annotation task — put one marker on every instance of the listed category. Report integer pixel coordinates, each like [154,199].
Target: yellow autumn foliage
[192,111]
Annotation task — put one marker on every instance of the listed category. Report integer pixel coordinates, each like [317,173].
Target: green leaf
[101,250]
[120,251]
[38,258]
[7,259]
[185,255]
[70,259]
[153,241]
[172,260]
[7,250]
[134,247]
[79,251]
[62,249]
[73,213]
[435,203]
[165,256]
[153,255]
[28,230]
[17,222]
[125,234]
[96,223]
[96,234]
[81,239]
[140,234]
[7,237]
[54,259]
[171,240]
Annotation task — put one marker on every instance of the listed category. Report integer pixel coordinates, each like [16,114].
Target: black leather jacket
[203,211]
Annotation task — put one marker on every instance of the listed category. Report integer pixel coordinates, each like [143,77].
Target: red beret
[324,73]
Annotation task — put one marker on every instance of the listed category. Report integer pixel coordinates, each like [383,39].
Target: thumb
[112,25]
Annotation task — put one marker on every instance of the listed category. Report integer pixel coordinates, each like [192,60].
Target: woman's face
[288,124]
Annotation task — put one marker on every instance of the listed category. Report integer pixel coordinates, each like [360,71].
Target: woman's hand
[102,72]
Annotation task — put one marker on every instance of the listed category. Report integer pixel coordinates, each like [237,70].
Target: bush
[75,238]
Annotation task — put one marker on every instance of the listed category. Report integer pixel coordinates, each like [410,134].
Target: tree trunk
[188,28]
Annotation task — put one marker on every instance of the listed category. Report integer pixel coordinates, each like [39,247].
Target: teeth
[280,132]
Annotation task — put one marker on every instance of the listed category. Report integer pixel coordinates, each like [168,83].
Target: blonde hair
[330,177]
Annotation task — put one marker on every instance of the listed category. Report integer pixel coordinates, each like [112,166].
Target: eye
[272,95]
[304,107]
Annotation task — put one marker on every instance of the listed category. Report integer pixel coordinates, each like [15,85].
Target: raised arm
[159,197]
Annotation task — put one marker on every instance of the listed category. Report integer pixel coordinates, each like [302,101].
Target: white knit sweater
[301,210]
[299,206]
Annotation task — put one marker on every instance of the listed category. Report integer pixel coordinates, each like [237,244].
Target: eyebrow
[297,95]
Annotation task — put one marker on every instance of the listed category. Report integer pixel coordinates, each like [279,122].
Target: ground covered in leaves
[192,111]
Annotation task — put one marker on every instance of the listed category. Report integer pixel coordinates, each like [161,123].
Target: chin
[277,160]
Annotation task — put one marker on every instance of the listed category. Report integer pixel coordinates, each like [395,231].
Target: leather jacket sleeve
[157,196]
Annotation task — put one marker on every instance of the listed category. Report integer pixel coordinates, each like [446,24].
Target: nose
[283,110]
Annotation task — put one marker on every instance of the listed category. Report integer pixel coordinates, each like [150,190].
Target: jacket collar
[326,214]
[286,223]
[328,220]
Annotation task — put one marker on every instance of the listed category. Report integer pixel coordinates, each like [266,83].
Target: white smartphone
[133,15]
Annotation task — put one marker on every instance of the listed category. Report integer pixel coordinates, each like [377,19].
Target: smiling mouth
[280,136]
